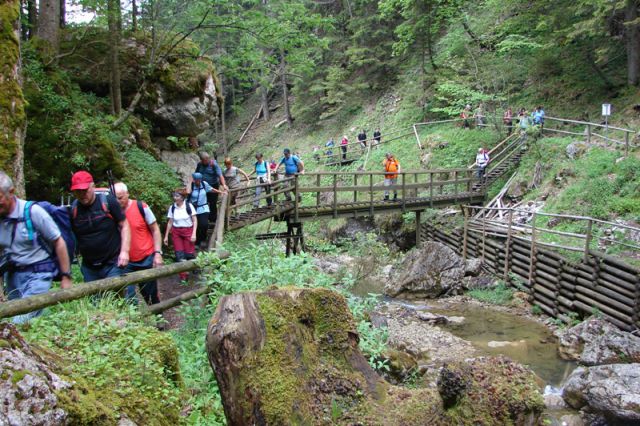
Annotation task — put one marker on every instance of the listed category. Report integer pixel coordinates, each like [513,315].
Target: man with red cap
[101,230]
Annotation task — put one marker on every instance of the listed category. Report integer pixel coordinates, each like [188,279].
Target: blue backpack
[60,215]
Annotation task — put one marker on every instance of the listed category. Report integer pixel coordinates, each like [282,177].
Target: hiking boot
[386,198]
[395,197]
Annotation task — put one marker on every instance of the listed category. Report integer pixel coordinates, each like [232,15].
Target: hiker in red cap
[101,230]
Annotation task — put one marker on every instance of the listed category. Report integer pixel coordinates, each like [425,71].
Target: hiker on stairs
[482,161]
[392,168]
[34,250]
[211,174]
[292,166]
[146,243]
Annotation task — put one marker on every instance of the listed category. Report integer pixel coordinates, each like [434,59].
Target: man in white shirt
[482,161]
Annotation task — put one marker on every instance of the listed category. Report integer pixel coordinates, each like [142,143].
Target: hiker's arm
[64,264]
[166,233]
[194,220]
[157,244]
[125,237]
[246,176]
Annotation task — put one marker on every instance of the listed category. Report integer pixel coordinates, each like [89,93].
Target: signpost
[606,112]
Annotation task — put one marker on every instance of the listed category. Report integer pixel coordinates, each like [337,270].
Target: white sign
[606,110]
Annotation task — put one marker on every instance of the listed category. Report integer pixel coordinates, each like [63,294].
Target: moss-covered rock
[290,356]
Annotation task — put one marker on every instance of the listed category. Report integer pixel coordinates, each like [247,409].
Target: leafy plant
[500,294]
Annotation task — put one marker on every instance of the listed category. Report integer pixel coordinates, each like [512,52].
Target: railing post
[507,251]
[626,144]
[335,195]
[466,232]
[533,250]
[455,185]
[484,237]
[228,210]
[588,133]
[588,238]
[416,179]
[431,189]
[355,191]
[296,194]
[418,228]
[371,194]
[318,182]
[415,130]
[404,191]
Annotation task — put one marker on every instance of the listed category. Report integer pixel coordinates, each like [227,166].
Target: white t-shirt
[180,216]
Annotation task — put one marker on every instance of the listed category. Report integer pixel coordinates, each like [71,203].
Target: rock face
[613,390]
[429,272]
[596,342]
[184,163]
[290,356]
[27,384]
[188,116]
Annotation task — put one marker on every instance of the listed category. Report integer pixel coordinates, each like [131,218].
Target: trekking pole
[112,184]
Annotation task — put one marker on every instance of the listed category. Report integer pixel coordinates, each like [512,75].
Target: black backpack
[173,209]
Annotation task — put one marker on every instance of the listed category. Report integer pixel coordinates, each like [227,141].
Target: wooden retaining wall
[559,286]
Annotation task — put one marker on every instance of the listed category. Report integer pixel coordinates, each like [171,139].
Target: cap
[287,151]
[197,176]
[81,180]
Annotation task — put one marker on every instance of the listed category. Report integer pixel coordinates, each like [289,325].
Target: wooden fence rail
[559,285]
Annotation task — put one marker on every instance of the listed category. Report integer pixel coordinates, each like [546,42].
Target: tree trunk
[32,12]
[49,24]
[134,16]
[264,100]
[63,13]
[12,105]
[285,90]
[113,17]
[633,42]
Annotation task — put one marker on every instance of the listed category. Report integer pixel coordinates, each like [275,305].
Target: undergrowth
[499,294]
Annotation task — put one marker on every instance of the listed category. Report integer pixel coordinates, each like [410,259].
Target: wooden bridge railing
[626,139]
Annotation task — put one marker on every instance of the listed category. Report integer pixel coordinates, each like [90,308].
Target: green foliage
[130,366]
[499,294]
[150,180]
[536,310]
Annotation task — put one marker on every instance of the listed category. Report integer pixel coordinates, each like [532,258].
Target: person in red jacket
[145,251]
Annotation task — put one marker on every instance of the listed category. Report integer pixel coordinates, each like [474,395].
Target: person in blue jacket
[292,166]
[198,191]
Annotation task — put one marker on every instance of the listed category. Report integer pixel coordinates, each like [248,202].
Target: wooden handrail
[584,123]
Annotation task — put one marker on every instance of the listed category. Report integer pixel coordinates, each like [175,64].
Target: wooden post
[507,253]
[455,185]
[588,133]
[404,192]
[431,189]
[416,179]
[371,194]
[355,191]
[318,195]
[587,240]
[465,235]
[532,256]
[415,130]
[418,229]
[296,194]
[484,238]
[626,144]
[335,195]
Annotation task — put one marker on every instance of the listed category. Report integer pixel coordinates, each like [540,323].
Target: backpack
[189,211]
[60,215]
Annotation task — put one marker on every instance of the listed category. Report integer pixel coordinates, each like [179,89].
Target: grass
[497,295]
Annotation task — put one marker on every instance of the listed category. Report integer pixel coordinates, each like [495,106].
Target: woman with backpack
[391,168]
[232,177]
[198,191]
[183,227]
[263,179]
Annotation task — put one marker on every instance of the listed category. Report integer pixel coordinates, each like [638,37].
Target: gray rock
[572,420]
[473,267]
[596,342]
[184,163]
[576,149]
[183,117]
[27,384]
[428,272]
[554,402]
[612,390]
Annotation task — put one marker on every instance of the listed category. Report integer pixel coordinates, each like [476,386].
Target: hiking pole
[112,184]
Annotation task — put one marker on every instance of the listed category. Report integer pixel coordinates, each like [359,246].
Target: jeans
[262,180]
[25,284]
[481,171]
[149,289]
[203,227]
[390,182]
[212,200]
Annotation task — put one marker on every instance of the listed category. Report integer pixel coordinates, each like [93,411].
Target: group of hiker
[344,143]
[523,118]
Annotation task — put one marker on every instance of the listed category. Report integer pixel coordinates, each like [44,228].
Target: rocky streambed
[589,374]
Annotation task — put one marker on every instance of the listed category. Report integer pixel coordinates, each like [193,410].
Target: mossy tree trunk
[114,12]
[49,24]
[32,12]
[12,114]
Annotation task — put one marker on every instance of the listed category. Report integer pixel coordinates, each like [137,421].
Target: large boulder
[291,356]
[611,390]
[184,163]
[28,385]
[596,342]
[427,272]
